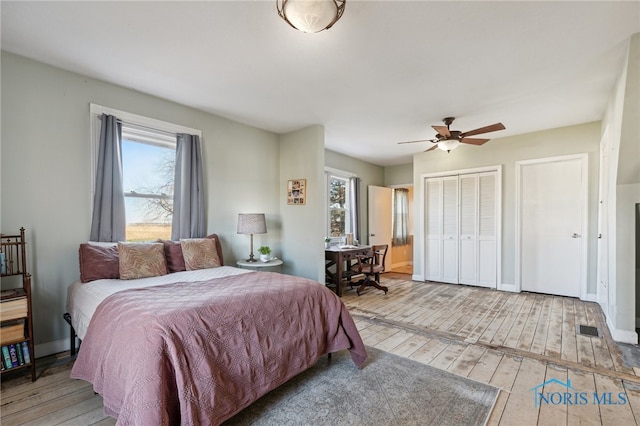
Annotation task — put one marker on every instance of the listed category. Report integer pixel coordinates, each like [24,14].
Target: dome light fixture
[448,144]
[310,16]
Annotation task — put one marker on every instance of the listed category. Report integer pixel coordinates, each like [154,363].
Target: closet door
[461,229]
[468,228]
[487,230]
[433,228]
[450,229]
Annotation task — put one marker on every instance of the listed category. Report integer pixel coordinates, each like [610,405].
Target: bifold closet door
[461,229]
[468,228]
[478,229]
[487,230]
[442,229]
[433,229]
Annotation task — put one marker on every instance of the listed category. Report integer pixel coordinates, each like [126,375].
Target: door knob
[372,235]
[575,235]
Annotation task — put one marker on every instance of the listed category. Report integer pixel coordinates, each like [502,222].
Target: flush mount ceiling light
[310,16]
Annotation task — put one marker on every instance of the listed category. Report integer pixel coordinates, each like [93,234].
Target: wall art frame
[297,192]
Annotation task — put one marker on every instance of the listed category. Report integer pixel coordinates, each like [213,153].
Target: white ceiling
[384,73]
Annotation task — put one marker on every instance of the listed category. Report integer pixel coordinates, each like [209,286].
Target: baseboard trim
[591,297]
[50,348]
[508,287]
[401,264]
[622,336]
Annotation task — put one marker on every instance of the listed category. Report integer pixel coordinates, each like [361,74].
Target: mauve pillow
[173,253]
[98,262]
[200,253]
[141,260]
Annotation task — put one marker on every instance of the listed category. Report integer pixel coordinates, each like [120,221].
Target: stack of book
[15,355]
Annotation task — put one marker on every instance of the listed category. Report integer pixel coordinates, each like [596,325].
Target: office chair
[371,265]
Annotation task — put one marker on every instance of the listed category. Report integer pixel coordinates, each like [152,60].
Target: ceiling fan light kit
[448,140]
[310,16]
[448,144]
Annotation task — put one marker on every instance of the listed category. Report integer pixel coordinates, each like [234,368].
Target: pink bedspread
[198,353]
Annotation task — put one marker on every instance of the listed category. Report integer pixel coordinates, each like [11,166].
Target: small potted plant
[327,242]
[265,253]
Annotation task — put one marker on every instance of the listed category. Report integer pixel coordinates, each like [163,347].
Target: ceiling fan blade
[485,129]
[432,148]
[442,130]
[421,140]
[474,141]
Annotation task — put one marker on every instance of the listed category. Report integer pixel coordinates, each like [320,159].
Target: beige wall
[45,176]
[302,157]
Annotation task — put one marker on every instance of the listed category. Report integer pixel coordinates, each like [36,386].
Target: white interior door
[487,230]
[468,228]
[433,229]
[552,225]
[449,241]
[380,219]
[461,229]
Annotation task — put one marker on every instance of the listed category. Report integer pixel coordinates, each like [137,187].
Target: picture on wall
[297,191]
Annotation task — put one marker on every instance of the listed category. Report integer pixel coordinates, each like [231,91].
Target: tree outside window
[339,222]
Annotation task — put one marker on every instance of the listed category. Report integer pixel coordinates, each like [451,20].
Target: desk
[258,264]
[342,259]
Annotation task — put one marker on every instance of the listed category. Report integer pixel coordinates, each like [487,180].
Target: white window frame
[138,129]
[340,174]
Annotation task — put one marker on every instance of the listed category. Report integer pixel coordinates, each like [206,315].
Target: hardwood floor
[515,342]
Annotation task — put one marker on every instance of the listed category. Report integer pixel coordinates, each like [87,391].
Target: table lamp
[251,223]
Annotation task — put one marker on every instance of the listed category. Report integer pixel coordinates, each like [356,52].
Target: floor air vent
[587,330]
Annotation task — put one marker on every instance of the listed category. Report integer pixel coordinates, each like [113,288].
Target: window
[339,209]
[400,217]
[148,163]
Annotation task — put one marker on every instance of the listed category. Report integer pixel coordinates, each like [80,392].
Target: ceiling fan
[448,139]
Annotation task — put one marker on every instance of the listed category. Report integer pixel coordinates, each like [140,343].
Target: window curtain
[108,222]
[400,217]
[188,190]
[354,191]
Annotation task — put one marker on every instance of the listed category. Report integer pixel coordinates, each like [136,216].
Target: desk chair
[371,265]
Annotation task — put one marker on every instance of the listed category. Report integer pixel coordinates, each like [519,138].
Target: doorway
[551,220]
[386,210]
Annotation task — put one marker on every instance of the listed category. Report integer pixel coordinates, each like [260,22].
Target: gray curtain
[400,217]
[188,190]
[108,222]
[354,186]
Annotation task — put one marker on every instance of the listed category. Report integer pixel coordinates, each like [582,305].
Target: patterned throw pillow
[200,253]
[141,260]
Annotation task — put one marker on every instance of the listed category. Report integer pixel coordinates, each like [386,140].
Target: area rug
[388,390]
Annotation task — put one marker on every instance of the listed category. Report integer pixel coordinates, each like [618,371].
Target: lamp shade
[251,223]
[448,144]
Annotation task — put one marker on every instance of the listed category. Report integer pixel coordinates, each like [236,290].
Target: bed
[198,346]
